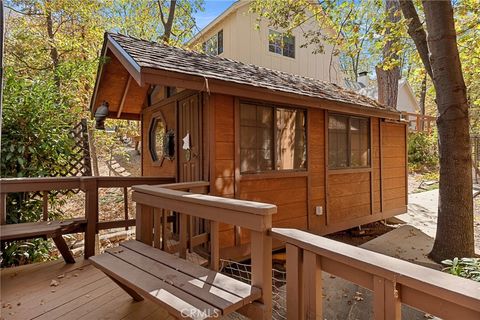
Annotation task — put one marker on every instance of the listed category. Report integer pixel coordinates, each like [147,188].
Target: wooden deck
[83,292]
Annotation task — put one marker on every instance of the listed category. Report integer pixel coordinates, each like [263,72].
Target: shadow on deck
[83,292]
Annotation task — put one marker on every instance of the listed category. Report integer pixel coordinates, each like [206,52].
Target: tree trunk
[387,80]
[423,96]
[454,236]
[416,32]
[167,24]
[51,41]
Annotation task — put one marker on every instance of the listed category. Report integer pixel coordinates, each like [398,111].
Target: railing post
[214,245]
[45,205]
[183,234]
[261,256]
[144,224]
[312,285]
[91,214]
[3,208]
[386,299]
[294,283]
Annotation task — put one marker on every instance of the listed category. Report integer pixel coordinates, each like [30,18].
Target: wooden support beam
[214,246]
[312,286]
[294,283]
[125,92]
[91,215]
[45,205]
[3,208]
[183,233]
[261,246]
[144,224]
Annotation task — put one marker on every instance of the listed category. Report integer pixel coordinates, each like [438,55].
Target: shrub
[422,151]
[35,143]
[465,267]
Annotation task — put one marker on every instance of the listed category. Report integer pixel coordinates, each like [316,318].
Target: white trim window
[281,43]
[214,45]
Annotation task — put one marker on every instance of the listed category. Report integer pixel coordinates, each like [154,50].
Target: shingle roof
[154,55]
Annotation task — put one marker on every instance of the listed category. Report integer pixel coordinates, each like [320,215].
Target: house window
[281,43]
[271,138]
[214,45]
[157,138]
[348,142]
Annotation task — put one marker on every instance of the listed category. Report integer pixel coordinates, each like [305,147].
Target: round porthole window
[158,130]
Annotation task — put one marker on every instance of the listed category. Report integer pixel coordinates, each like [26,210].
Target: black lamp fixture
[100,116]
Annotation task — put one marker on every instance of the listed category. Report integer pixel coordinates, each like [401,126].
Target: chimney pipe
[363,78]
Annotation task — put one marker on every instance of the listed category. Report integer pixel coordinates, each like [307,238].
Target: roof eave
[233,7]
[206,84]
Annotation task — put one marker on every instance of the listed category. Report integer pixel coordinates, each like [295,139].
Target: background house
[233,35]
[406,101]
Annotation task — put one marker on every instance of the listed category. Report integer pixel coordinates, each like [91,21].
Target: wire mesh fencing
[243,272]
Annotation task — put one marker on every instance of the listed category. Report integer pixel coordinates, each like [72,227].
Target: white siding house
[234,35]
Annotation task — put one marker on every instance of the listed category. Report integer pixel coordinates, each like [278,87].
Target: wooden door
[189,124]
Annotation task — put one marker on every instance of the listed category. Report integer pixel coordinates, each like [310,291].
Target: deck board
[83,292]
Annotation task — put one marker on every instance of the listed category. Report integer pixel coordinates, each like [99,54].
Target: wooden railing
[392,281]
[155,202]
[418,122]
[90,186]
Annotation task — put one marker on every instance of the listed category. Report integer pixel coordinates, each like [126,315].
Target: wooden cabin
[329,158]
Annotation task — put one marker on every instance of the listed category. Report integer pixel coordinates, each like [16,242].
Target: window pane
[211,45]
[289,46]
[337,142]
[256,140]
[359,142]
[290,139]
[275,41]
[220,41]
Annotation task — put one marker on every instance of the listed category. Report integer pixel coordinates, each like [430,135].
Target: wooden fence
[418,122]
[393,281]
[90,186]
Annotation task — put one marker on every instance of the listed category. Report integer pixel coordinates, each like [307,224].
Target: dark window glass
[337,142]
[281,43]
[214,45]
[275,42]
[220,41]
[290,139]
[271,138]
[348,142]
[157,138]
[289,46]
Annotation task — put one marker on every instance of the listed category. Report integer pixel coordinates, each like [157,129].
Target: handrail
[153,201]
[90,185]
[12,185]
[253,207]
[429,290]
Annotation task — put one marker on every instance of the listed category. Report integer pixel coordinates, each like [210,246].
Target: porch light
[100,116]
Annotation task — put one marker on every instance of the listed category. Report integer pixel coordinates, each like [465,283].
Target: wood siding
[394,166]
[347,197]
[165,168]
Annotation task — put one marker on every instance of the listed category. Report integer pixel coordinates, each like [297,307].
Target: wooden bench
[184,289]
[43,229]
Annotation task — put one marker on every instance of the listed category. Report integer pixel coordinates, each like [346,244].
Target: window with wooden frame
[272,138]
[348,142]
